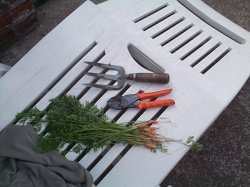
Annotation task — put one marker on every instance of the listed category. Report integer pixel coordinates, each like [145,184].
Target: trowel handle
[161,78]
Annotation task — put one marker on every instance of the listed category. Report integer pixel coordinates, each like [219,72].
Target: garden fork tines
[119,77]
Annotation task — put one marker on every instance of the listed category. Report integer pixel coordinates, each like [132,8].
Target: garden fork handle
[162,78]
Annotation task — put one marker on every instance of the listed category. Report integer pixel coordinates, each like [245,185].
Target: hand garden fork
[121,76]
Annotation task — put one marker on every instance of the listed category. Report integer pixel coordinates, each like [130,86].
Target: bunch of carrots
[68,121]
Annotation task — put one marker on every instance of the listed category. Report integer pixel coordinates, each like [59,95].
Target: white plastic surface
[126,12]
[197,103]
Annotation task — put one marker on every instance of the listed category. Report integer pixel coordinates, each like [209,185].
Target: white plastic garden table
[206,55]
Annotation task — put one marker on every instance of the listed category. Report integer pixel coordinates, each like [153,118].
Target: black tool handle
[162,78]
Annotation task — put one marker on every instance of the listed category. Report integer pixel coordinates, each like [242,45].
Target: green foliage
[69,121]
[195,146]
[87,127]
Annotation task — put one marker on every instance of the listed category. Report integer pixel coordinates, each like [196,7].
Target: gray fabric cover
[21,166]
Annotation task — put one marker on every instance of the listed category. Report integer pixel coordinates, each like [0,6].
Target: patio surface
[224,161]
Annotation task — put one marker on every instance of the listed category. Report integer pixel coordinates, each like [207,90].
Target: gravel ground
[224,160]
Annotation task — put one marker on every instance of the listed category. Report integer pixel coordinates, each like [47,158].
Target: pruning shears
[141,100]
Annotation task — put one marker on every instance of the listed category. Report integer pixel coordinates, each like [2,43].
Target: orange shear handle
[142,95]
[156,103]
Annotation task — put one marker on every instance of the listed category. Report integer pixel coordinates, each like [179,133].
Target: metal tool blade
[123,102]
[143,60]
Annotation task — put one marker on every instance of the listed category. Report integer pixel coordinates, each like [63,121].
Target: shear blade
[123,102]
